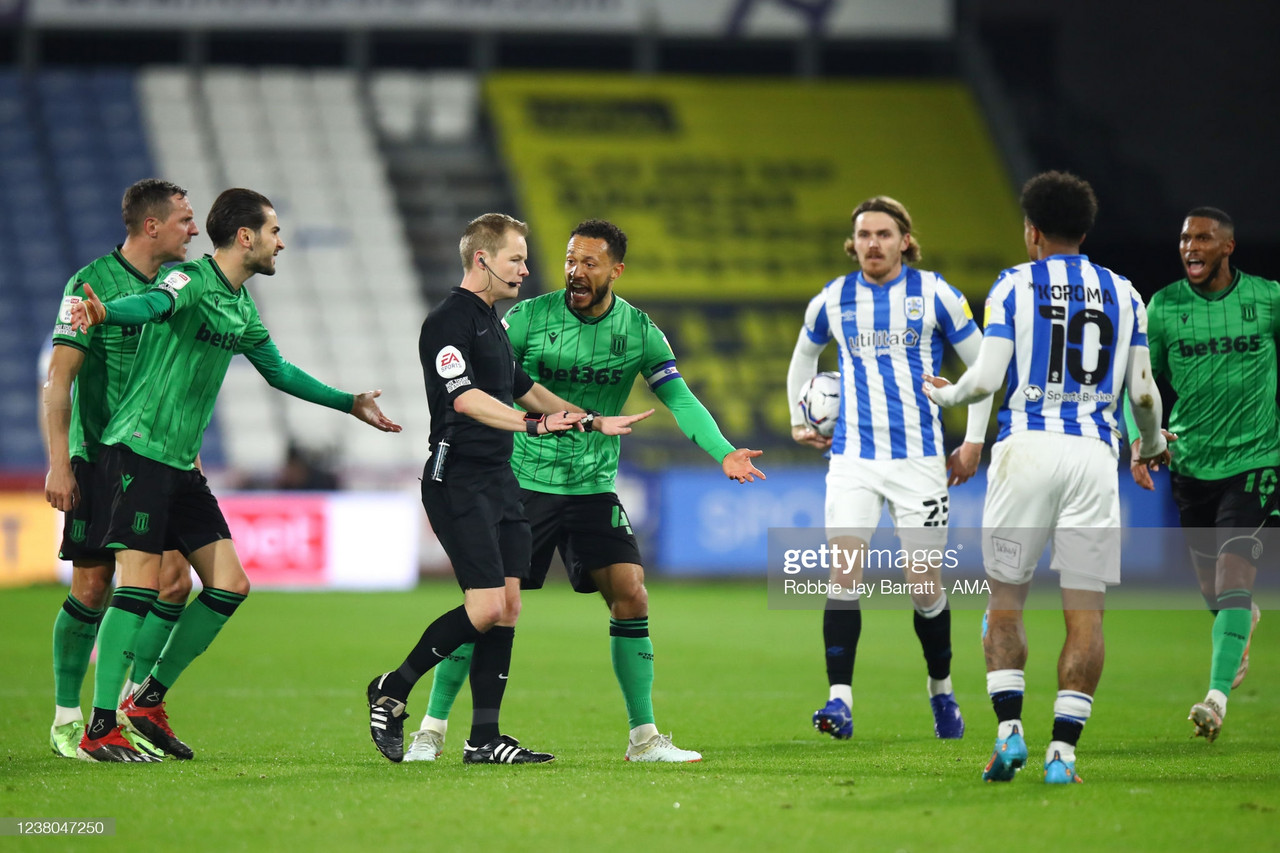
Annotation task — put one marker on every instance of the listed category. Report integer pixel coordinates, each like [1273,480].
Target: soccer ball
[820,402]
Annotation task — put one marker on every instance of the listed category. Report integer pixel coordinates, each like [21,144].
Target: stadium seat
[302,138]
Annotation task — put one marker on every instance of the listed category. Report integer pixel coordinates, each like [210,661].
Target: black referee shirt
[463,345]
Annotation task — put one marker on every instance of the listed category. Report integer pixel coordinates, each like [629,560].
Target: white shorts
[1044,485]
[916,490]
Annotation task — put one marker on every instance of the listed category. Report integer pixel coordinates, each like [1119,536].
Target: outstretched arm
[293,380]
[539,398]
[492,412]
[963,461]
[981,380]
[149,307]
[696,422]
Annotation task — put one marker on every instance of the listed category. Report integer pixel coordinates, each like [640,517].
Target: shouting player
[1213,336]
[587,345]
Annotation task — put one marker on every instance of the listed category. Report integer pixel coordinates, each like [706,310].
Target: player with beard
[84,378]
[588,345]
[1213,337]
[201,314]
[890,322]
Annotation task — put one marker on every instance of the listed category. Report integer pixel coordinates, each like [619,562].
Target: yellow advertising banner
[733,189]
[28,539]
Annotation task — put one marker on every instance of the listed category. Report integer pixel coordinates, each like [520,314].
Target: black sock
[441,639]
[101,721]
[841,628]
[1211,602]
[935,641]
[1067,731]
[150,693]
[490,663]
[1007,705]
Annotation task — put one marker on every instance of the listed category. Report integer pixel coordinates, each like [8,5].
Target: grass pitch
[275,711]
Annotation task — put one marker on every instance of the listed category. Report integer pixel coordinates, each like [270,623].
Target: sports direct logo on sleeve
[449,363]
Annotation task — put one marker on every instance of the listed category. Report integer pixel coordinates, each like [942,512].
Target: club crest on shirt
[915,307]
[449,363]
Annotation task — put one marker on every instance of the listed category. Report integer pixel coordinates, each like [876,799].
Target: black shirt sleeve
[523,384]
[445,350]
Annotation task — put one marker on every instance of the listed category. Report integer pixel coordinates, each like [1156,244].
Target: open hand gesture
[367,410]
[737,465]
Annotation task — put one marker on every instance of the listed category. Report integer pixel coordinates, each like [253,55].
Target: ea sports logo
[449,363]
[1034,393]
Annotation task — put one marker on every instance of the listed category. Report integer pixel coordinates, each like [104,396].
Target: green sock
[1230,634]
[196,628]
[129,606]
[450,674]
[152,636]
[632,653]
[74,631]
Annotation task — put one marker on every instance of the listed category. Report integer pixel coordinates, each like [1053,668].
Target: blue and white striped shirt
[1072,323]
[889,335]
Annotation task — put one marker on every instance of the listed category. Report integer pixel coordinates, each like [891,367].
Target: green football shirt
[590,361]
[109,350]
[182,362]
[1218,351]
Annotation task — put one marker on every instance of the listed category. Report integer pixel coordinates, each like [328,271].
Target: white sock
[130,687]
[1006,680]
[1006,728]
[1065,751]
[1219,697]
[1073,705]
[843,692]
[434,724]
[940,686]
[62,716]
[642,733]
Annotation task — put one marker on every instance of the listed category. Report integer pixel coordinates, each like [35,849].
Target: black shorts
[155,507]
[80,537]
[1238,514]
[477,516]
[591,531]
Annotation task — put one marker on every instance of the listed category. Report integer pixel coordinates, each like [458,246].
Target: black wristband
[531,421]
[588,420]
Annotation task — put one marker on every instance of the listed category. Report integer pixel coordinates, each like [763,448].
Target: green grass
[275,711]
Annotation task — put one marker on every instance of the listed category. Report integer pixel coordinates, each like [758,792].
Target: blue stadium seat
[71,141]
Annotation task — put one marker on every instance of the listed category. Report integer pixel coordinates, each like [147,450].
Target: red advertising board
[282,539]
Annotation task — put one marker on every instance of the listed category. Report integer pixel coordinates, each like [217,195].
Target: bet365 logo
[1224,345]
[581,374]
[222,340]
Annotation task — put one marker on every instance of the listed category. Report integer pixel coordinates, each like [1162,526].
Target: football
[820,402]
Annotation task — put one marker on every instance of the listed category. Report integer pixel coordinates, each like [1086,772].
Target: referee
[469,492]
